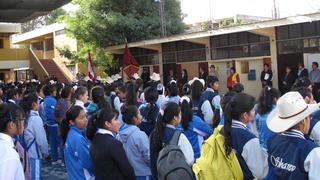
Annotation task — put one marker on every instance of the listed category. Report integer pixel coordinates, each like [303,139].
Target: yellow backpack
[214,163]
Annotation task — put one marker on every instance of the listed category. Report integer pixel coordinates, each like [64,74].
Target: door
[291,60]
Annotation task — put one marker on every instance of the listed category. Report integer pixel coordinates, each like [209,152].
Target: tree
[110,22]
[53,17]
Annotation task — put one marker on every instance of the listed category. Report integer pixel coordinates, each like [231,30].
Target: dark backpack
[112,98]
[197,107]
[171,163]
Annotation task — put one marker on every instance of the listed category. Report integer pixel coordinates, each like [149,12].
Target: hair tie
[269,88]
[161,112]
[173,81]
[185,98]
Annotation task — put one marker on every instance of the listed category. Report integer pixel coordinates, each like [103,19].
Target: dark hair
[232,68]
[266,65]
[139,82]
[173,88]
[128,113]
[107,89]
[238,88]
[303,91]
[131,94]
[151,96]
[239,104]
[122,88]
[315,63]
[266,99]
[49,89]
[226,99]
[185,72]
[211,80]
[212,66]
[27,100]
[302,82]
[71,115]
[98,121]
[80,91]
[186,114]
[97,94]
[10,113]
[66,91]
[171,110]
[186,89]
[11,93]
[196,90]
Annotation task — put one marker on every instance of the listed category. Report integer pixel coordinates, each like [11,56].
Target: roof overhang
[24,10]
[226,30]
[42,33]
[11,28]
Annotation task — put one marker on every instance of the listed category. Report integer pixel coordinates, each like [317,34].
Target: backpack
[112,98]
[214,163]
[197,108]
[171,163]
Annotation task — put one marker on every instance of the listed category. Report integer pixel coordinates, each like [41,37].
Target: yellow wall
[48,55]
[14,54]
[6,43]
[221,70]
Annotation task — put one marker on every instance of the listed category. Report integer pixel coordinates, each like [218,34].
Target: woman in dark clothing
[107,153]
[287,80]
[184,77]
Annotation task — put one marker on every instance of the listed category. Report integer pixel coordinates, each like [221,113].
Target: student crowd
[116,130]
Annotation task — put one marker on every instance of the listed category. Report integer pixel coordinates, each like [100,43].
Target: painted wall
[13,54]
[6,43]
[192,69]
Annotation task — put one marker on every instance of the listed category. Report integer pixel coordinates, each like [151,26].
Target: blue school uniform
[293,157]
[252,159]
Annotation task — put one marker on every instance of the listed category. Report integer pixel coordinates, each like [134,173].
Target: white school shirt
[10,165]
[185,147]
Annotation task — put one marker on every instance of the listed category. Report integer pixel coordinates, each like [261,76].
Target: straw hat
[109,80]
[195,79]
[136,76]
[155,77]
[291,109]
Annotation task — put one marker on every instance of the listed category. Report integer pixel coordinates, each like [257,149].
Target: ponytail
[186,113]
[71,115]
[26,102]
[266,99]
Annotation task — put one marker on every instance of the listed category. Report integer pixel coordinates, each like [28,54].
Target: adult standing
[287,80]
[203,74]
[315,79]
[213,71]
[184,77]
[145,76]
[302,71]
[233,78]
[266,76]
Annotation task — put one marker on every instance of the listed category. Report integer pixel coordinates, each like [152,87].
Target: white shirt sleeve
[207,112]
[186,148]
[11,169]
[117,103]
[315,133]
[256,158]
[216,102]
[312,164]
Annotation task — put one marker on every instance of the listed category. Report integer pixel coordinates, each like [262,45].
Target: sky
[199,10]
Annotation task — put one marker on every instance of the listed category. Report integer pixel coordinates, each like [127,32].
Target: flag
[90,67]
[130,65]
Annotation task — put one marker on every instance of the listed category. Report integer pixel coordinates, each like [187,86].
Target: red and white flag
[90,67]
[130,65]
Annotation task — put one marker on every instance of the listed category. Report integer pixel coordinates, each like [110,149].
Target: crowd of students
[117,130]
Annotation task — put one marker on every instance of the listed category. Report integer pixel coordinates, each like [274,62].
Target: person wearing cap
[291,155]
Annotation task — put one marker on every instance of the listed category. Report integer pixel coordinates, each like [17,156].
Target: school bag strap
[175,138]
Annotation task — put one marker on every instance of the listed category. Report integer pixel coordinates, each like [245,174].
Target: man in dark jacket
[302,71]
[266,76]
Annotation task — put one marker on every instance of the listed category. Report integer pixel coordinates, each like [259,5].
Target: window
[1,44]
[283,32]
[233,39]
[295,31]
[243,38]
[37,45]
[60,32]
[49,44]
[244,67]
[309,29]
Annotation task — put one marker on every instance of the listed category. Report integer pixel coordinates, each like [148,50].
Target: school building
[278,42]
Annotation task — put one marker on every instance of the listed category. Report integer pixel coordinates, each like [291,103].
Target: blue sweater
[196,132]
[136,145]
[49,107]
[76,153]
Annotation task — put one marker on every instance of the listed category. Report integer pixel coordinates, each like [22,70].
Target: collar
[79,103]
[294,133]
[40,98]
[170,126]
[32,112]
[238,124]
[11,100]
[209,89]
[104,131]
[113,93]
[7,138]
[81,131]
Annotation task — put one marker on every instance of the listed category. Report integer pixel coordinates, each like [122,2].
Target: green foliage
[109,22]
[231,22]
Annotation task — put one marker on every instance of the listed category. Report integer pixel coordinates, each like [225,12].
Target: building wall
[6,43]
[192,69]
